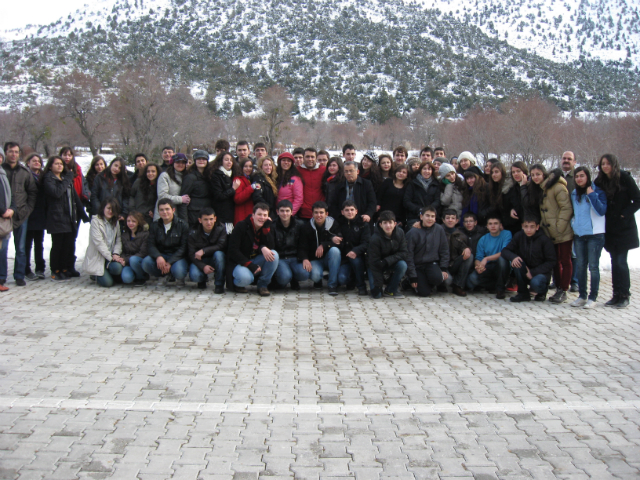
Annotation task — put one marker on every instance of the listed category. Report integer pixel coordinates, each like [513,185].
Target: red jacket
[77,183]
[312,189]
[242,199]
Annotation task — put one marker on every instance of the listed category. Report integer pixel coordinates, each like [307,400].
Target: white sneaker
[590,304]
[579,302]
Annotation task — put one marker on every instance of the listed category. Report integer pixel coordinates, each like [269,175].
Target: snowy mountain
[344,59]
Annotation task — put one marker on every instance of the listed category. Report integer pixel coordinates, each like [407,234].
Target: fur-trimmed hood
[555,176]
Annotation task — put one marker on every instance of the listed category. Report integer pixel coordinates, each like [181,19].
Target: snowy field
[83,235]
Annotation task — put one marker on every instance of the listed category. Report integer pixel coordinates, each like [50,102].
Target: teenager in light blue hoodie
[588,223]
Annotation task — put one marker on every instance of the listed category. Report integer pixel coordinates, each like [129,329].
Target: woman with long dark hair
[220,173]
[98,165]
[422,191]
[197,187]
[170,186]
[37,222]
[243,196]
[621,231]
[386,166]
[504,197]
[474,197]
[135,236]
[392,192]
[547,192]
[332,178]
[69,158]
[144,192]
[369,169]
[451,188]
[588,222]
[103,259]
[112,182]
[290,184]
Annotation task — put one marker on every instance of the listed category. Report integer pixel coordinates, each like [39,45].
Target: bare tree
[276,107]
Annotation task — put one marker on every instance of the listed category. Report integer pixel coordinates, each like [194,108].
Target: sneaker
[579,302]
[202,285]
[20,282]
[219,289]
[264,292]
[623,303]
[40,274]
[559,297]
[362,291]
[72,273]
[501,295]
[31,276]
[58,276]
[540,297]
[170,278]
[396,295]
[456,290]
[614,301]
[520,298]
[317,285]
[333,291]
[590,304]
[574,288]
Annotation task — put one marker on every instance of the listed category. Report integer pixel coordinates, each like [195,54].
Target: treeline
[143,111]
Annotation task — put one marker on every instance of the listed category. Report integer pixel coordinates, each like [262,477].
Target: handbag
[6,227]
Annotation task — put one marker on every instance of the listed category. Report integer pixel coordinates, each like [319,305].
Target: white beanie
[469,156]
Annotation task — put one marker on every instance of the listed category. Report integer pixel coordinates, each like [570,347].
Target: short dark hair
[207,211]
[440,149]
[350,163]
[259,145]
[8,145]
[426,209]
[426,149]
[347,146]
[323,152]
[311,149]
[494,216]
[284,204]
[298,151]
[168,148]
[387,216]
[470,214]
[400,149]
[222,144]
[320,204]
[166,201]
[449,211]
[260,206]
[140,155]
[531,218]
[242,143]
[349,203]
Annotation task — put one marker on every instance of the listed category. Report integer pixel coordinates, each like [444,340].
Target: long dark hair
[535,190]
[242,164]
[610,184]
[91,174]
[73,166]
[122,177]
[284,177]
[495,188]
[395,170]
[47,167]
[339,175]
[217,163]
[148,190]
[478,189]
[374,175]
[138,218]
[580,191]
[115,209]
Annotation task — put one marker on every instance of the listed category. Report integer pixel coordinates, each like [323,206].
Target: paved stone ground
[156,382]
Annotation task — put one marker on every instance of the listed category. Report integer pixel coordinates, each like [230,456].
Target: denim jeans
[588,249]
[355,266]
[242,276]
[178,269]
[217,261]
[331,261]
[397,270]
[20,241]
[106,280]
[4,251]
[134,270]
[620,271]
[495,276]
[459,271]
[288,269]
[539,283]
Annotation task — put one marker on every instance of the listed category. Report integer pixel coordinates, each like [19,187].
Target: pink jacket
[292,192]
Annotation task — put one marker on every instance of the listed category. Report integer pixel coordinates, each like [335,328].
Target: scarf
[424,183]
[349,190]
[225,171]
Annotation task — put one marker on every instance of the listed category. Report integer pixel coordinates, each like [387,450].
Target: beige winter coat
[556,209]
[98,251]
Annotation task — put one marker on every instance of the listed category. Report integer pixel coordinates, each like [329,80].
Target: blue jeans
[539,283]
[331,261]
[355,265]
[134,270]
[288,269]
[495,276]
[20,241]
[178,269]
[242,276]
[217,261]
[106,280]
[4,251]
[397,272]
[588,249]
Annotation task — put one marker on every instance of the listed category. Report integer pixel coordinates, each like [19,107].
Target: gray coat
[427,245]
[451,198]
[167,188]
[98,250]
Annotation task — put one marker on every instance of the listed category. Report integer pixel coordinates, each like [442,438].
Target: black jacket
[313,237]
[64,207]
[199,190]
[392,198]
[288,240]
[241,243]
[621,231]
[458,242]
[223,193]
[537,251]
[24,191]
[136,246]
[355,234]
[38,217]
[474,236]
[426,245]
[364,197]
[511,199]
[265,193]
[416,197]
[216,241]
[384,252]
[172,243]
[101,191]
[139,203]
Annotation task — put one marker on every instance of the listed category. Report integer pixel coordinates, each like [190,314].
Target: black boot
[623,302]
[614,300]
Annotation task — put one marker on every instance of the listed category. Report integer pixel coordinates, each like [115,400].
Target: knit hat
[200,154]
[285,155]
[371,155]
[413,160]
[178,157]
[469,156]
[445,169]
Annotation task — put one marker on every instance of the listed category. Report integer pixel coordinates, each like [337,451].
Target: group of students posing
[433,221]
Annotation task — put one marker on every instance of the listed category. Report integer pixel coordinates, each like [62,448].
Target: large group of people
[403,224]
